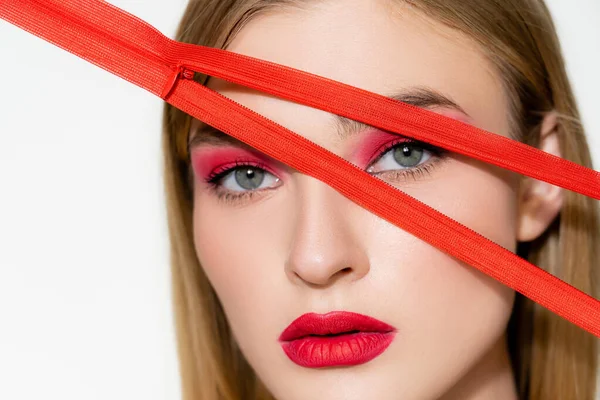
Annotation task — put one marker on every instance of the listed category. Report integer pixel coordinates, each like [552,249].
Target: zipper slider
[180,72]
[187,73]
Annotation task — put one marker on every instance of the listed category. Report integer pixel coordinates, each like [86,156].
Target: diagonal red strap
[130,48]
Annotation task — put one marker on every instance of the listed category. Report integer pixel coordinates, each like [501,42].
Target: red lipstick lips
[337,338]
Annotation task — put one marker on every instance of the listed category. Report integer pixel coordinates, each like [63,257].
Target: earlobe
[539,201]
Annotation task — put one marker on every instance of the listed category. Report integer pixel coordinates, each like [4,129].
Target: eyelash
[228,197]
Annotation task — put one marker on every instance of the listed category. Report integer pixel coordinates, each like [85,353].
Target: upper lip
[332,323]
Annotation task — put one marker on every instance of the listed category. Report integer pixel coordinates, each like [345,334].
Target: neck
[491,378]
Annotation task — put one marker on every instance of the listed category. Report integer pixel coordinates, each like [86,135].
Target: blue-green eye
[247,177]
[402,155]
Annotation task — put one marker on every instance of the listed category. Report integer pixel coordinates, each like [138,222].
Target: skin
[299,246]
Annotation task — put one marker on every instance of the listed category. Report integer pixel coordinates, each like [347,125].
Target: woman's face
[276,244]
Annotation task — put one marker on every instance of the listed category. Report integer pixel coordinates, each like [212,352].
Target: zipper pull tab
[180,72]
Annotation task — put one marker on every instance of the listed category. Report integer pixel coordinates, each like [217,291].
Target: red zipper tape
[134,50]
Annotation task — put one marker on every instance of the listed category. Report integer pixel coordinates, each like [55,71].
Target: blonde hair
[552,358]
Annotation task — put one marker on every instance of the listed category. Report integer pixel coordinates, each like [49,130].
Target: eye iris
[249,178]
[407,155]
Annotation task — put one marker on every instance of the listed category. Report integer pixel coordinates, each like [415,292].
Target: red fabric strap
[132,49]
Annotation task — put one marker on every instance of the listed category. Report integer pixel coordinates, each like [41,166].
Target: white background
[85,308]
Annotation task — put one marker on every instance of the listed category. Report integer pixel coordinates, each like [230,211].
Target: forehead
[378,45]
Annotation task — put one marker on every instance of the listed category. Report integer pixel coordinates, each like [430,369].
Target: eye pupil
[407,155]
[249,178]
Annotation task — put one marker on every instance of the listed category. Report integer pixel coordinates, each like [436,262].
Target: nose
[325,247]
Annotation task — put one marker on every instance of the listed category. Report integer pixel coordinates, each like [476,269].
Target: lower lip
[329,351]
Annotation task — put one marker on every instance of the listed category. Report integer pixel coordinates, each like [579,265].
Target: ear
[539,201]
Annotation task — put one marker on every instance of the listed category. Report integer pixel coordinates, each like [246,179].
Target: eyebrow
[423,97]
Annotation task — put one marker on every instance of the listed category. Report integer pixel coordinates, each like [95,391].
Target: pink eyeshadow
[207,159]
[375,139]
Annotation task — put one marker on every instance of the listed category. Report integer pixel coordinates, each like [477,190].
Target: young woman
[266,260]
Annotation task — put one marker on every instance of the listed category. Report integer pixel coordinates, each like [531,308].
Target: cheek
[482,198]
[447,310]
[240,251]
[227,248]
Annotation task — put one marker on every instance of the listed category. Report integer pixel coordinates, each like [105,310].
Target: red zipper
[125,45]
